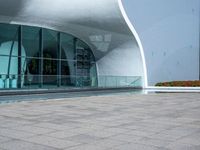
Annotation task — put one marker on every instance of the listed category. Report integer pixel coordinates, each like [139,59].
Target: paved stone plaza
[110,122]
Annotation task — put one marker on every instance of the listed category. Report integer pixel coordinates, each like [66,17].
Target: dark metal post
[75,61]
[19,84]
[199,40]
[41,59]
[59,61]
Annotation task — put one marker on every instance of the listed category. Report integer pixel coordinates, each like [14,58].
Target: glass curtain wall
[32,57]
[31,44]
[50,58]
[8,56]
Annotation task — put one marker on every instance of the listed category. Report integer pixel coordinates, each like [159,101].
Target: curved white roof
[102,24]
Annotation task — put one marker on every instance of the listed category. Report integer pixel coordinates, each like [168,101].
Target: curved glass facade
[33,57]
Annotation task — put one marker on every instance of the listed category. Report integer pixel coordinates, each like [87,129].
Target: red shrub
[180,84]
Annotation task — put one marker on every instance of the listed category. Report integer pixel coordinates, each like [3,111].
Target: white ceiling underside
[99,23]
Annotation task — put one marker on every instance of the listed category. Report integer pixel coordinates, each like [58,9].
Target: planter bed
[180,84]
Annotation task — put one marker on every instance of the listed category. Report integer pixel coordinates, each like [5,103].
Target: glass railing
[53,81]
[46,81]
[119,81]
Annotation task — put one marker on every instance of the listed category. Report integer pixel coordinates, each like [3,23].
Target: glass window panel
[31,81]
[82,44]
[68,68]
[50,72]
[84,50]
[68,71]
[4,64]
[67,47]
[78,67]
[92,59]
[9,40]
[31,73]
[50,44]
[30,41]
[49,81]
[32,66]
[93,75]
[50,67]
[9,71]
[9,65]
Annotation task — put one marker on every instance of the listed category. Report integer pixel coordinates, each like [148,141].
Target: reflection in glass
[32,72]
[68,73]
[50,54]
[48,59]
[9,40]
[67,46]
[30,41]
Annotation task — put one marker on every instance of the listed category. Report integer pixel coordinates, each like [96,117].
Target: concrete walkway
[112,122]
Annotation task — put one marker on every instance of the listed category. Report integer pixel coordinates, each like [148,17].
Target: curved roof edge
[135,34]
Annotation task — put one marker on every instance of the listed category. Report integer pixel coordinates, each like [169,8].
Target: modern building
[86,43]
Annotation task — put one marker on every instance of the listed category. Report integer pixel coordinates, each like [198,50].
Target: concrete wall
[169,32]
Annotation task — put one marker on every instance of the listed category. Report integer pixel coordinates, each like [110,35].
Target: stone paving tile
[4,139]
[87,147]
[22,145]
[14,122]
[166,137]
[134,146]
[84,138]
[54,126]
[193,139]
[102,134]
[140,133]
[126,138]
[91,126]
[108,143]
[180,146]
[33,129]
[63,134]
[153,142]
[52,142]
[182,131]
[15,133]
[116,130]
[114,122]
[84,129]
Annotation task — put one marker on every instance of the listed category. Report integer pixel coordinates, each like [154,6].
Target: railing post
[75,61]
[59,60]
[41,58]
[19,81]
